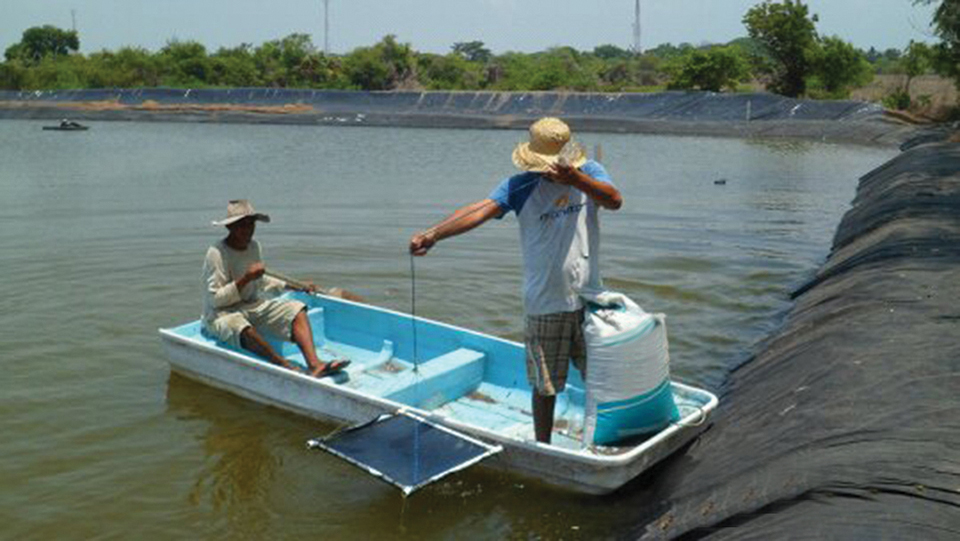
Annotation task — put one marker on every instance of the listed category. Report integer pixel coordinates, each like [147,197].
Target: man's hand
[421,242]
[605,194]
[306,287]
[255,271]
[563,173]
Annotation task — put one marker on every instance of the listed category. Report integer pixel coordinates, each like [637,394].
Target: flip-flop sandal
[333,367]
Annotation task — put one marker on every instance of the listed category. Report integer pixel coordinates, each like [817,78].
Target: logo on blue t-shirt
[564,209]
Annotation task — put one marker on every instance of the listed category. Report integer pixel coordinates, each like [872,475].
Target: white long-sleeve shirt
[222,267]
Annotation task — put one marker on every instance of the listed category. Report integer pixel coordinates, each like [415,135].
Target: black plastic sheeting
[847,424]
[759,115]
[690,106]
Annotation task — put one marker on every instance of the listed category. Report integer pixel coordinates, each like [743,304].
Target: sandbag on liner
[628,370]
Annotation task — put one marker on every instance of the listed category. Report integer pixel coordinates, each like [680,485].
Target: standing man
[556,201]
[237,303]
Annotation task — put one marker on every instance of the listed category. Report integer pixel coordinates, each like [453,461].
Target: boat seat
[439,380]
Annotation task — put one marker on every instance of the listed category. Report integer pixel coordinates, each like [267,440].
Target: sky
[435,25]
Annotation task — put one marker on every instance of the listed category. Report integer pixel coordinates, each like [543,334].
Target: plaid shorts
[553,340]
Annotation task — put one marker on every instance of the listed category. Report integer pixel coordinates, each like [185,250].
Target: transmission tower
[326,27]
[636,29]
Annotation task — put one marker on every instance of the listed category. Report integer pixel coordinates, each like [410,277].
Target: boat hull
[592,470]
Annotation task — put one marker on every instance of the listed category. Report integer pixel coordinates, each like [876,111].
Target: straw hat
[549,142]
[239,209]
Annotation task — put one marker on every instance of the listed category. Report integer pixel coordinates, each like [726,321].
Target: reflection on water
[103,235]
[239,465]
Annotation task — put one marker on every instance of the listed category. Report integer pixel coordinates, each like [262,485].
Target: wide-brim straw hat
[549,144]
[239,209]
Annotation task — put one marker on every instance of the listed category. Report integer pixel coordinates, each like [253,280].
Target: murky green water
[102,235]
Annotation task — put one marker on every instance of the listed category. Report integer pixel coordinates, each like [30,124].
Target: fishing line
[416,370]
[413,312]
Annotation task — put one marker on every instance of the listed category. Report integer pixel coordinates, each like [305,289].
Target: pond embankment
[844,424]
[674,113]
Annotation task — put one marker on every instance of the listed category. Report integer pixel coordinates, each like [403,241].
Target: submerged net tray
[405,450]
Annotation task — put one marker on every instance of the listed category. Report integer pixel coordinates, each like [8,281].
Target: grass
[933,97]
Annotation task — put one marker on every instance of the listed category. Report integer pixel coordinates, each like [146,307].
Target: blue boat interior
[463,375]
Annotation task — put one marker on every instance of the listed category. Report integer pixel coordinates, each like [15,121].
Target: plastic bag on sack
[628,370]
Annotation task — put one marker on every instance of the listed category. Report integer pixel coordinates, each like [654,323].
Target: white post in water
[748,110]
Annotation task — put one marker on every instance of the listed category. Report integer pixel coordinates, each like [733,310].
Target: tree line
[782,51]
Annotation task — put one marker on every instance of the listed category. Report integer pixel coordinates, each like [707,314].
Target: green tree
[611,52]
[297,63]
[400,59]
[669,51]
[755,53]
[916,61]
[837,67]
[712,69]
[511,71]
[946,23]
[55,73]
[472,51]
[563,68]
[128,67]
[268,59]
[450,72]
[788,33]
[366,70]
[185,63]
[385,66]
[619,74]
[234,67]
[39,42]
[12,75]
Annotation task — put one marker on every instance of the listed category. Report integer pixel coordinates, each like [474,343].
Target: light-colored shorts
[553,340]
[272,317]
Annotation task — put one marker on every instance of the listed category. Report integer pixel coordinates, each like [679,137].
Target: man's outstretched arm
[462,220]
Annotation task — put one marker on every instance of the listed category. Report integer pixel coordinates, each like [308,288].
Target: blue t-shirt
[559,237]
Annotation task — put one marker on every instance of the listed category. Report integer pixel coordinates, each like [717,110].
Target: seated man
[237,306]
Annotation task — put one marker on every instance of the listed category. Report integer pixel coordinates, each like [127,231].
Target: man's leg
[251,340]
[547,340]
[543,407]
[302,334]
